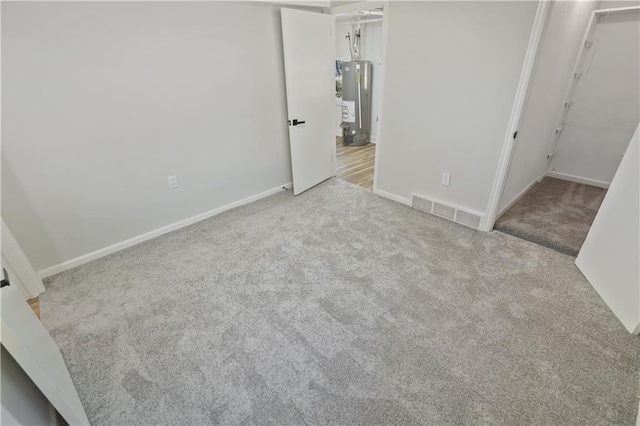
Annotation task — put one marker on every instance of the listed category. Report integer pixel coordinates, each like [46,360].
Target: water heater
[356,102]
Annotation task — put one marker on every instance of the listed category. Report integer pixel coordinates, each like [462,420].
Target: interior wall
[451,73]
[371,50]
[605,108]
[559,49]
[102,101]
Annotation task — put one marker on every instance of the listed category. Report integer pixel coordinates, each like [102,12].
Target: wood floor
[355,163]
[35,305]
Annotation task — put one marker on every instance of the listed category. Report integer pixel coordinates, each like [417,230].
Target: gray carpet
[340,307]
[554,213]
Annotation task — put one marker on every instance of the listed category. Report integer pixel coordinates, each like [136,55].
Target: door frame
[517,112]
[356,7]
[23,276]
[518,109]
[35,351]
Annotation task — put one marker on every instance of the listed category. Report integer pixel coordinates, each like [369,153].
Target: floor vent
[421,203]
[468,219]
[442,210]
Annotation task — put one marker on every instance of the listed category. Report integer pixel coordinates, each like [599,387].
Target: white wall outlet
[446,179]
[173,182]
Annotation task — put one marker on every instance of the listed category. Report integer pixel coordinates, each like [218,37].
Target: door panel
[24,337]
[610,256]
[309,47]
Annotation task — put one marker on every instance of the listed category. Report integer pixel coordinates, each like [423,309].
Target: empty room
[320,212]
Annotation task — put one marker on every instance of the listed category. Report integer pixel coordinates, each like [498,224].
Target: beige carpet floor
[554,213]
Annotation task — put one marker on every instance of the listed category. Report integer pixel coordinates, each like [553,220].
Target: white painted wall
[21,402]
[567,22]
[371,50]
[610,256]
[451,73]
[19,270]
[102,101]
[605,108]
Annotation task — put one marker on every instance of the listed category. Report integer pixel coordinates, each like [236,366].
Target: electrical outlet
[173,182]
[446,179]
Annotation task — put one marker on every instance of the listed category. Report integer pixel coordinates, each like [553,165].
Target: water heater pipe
[359,99]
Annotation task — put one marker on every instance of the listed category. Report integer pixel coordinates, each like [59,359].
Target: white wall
[561,43]
[102,101]
[605,108]
[21,401]
[451,73]
[610,256]
[371,50]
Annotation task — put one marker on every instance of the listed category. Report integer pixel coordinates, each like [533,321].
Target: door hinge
[588,44]
[567,104]
[551,154]
[577,75]
[515,134]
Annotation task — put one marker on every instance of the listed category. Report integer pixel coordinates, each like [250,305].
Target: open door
[309,50]
[610,256]
[24,337]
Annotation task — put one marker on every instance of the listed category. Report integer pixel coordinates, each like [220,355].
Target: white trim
[21,272]
[357,7]
[392,197]
[578,179]
[616,10]
[383,61]
[517,197]
[636,331]
[61,267]
[522,91]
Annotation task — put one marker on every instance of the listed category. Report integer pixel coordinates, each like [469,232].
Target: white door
[24,337]
[610,256]
[309,49]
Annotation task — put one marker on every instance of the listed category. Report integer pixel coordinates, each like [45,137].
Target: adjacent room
[578,158]
[358,85]
[320,212]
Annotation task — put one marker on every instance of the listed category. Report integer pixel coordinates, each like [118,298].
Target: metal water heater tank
[356,102]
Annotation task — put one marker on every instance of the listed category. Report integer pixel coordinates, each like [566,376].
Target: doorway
[358,83]
[599,115]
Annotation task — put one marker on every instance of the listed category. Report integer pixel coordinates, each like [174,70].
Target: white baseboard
[520,195]
[578,179]
[69,264]
[393,197]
